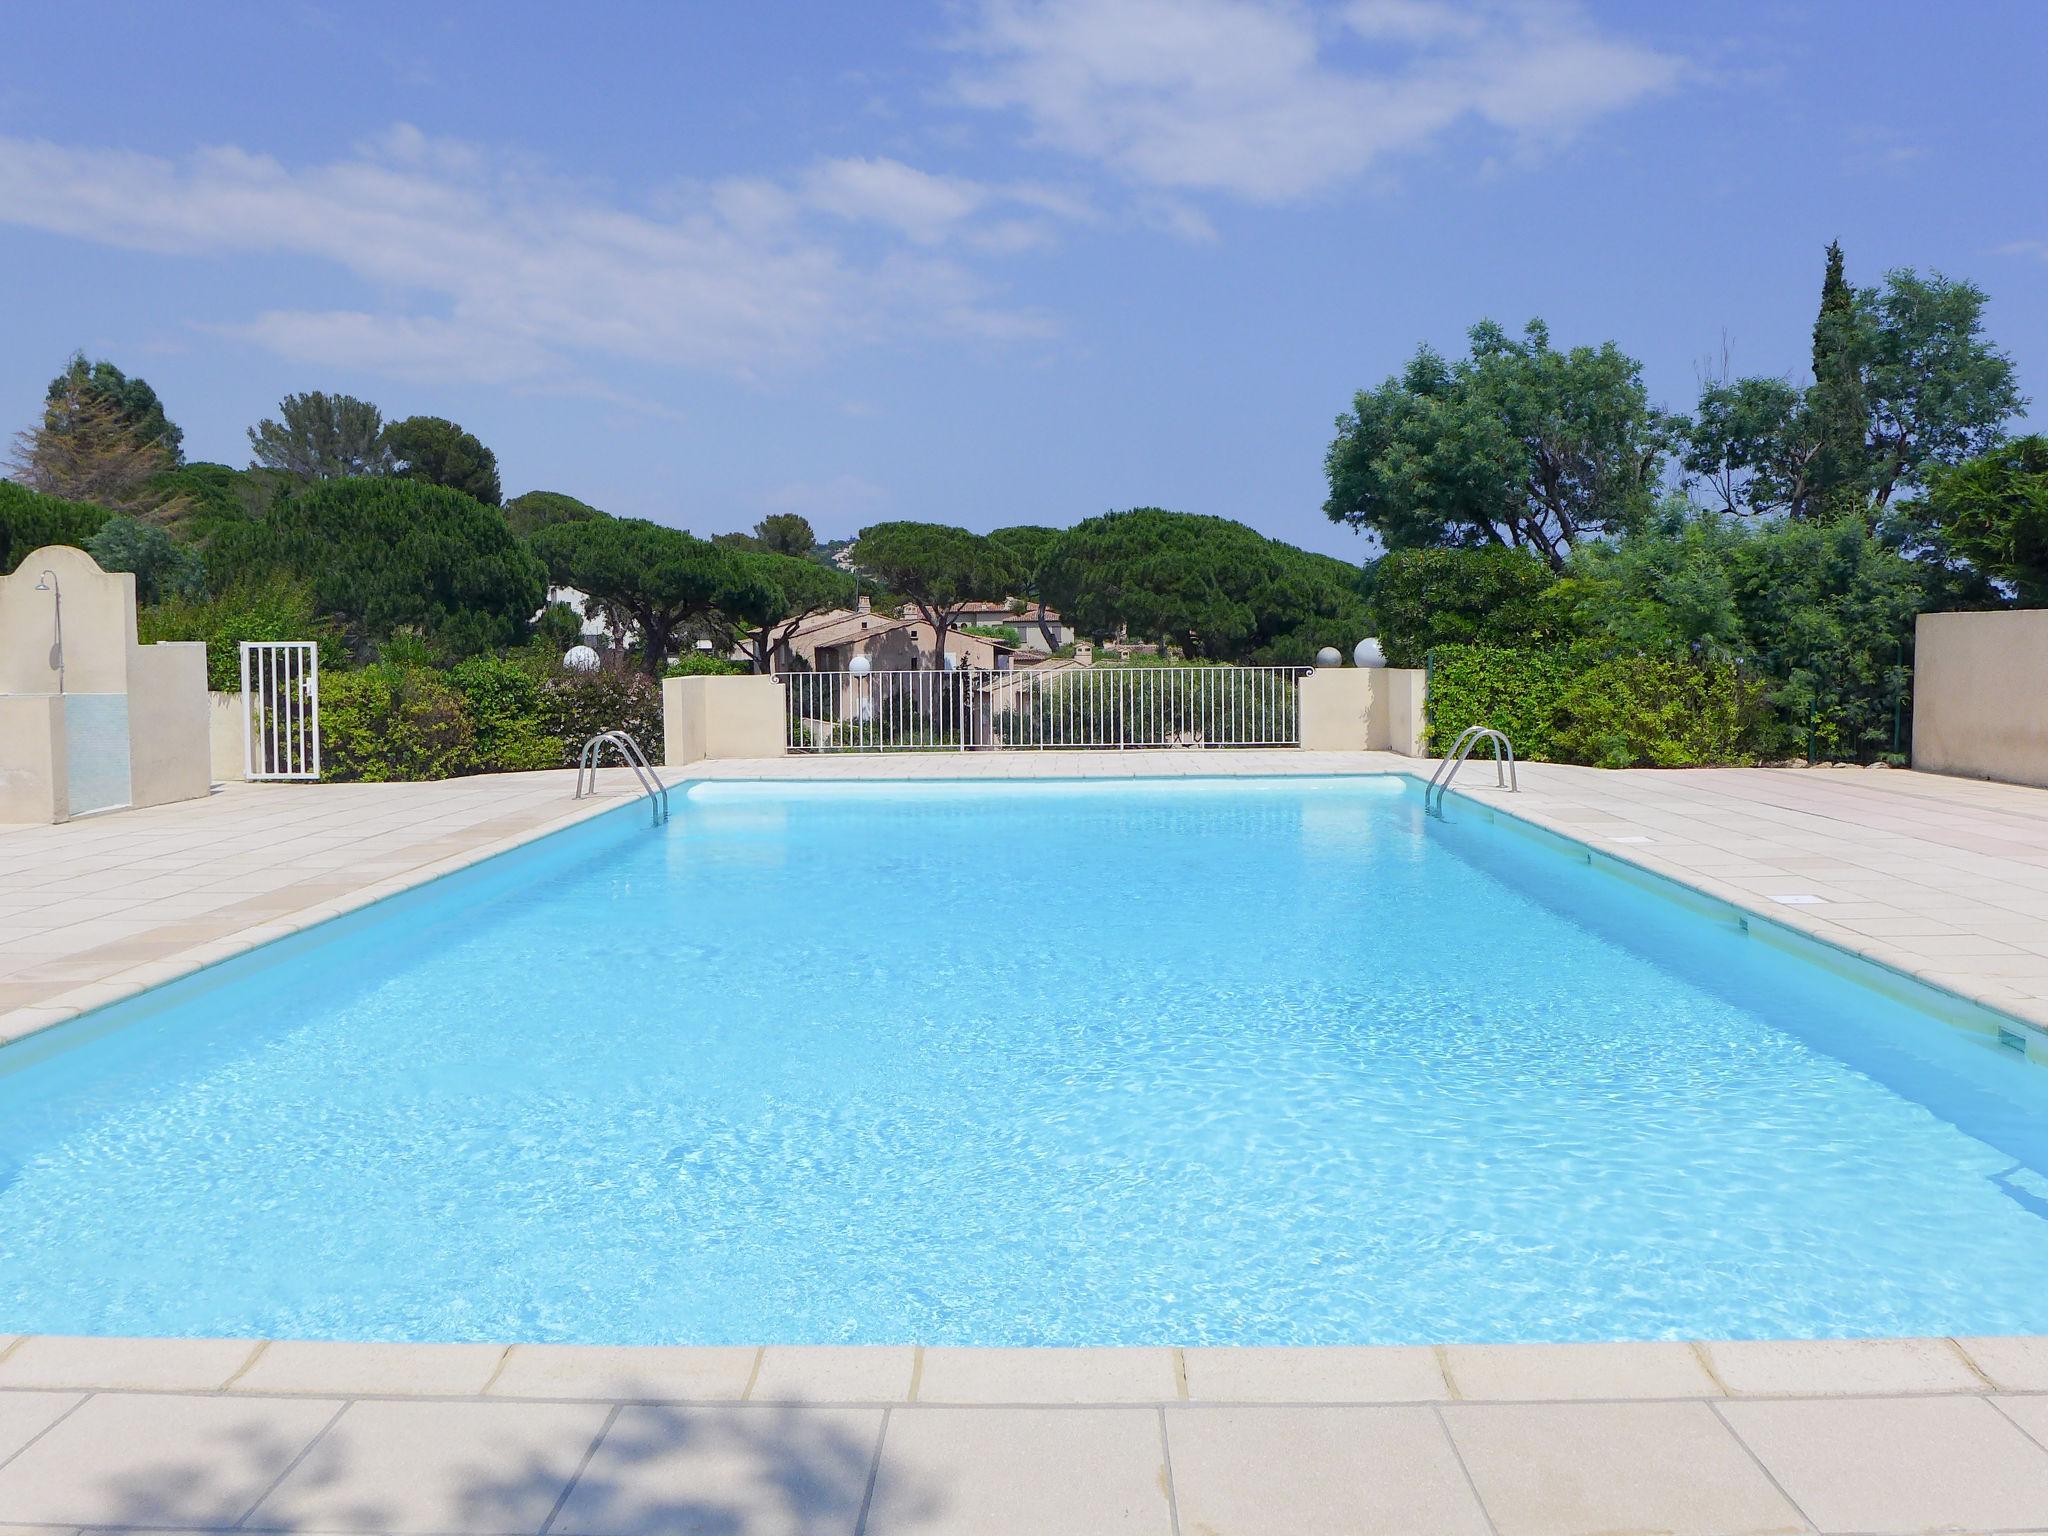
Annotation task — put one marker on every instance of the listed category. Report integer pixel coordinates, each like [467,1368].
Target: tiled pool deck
[1942,879]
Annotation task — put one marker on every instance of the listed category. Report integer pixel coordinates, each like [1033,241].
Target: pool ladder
[631,755]
[1447,770]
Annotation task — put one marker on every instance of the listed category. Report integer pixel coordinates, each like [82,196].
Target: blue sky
[982,263]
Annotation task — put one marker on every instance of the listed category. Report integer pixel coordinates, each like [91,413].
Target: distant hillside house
[990,615]
[828,642]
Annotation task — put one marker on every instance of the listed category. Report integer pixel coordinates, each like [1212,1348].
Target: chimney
[860,604]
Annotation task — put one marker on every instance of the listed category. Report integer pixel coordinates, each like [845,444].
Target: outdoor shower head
[48,582]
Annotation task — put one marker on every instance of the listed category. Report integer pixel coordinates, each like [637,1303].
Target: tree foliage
[319,436]
[1216,589]
[656,578]
[939,569]
[1028,545]
[1992,511]
[436,450]
[29,520]
[162,567]
[1423,598]
[786,533]
[132,401]
[86,449]
[383,554]
[769,595]
[528,514]
[1515,444]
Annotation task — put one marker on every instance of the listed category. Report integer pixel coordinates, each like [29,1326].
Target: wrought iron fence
[1106,708]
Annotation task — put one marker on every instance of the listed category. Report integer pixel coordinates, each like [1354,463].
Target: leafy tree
[162,567]
[322,437]
[772,594]
[29,520]
[1938,391]
[86,449]
[1027,545]
[535,510]
[436,450]
[1992,511]
[1905,384]
[384,554]
[132,400]
[786,533]
[1423,598]
[939,569]
[1516,444]
[218,499]
[1215,588]
[658,579]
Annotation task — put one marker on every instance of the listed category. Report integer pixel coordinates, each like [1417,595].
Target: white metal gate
[281,709]
[1044,707]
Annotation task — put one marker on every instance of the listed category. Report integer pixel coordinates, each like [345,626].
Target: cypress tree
[1835,404]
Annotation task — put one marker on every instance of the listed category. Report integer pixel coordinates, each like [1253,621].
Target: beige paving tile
[651,1374]
[1020,1472]
[762,1469]
[464,1468]
[2017,1363]
[1550,1372]
[142,1459]
[149,1365]
[1841,1367]
[1899,1464]
[24,1415]
[1287,1471]
[1569,1469]
[2030,1413]
[371,1370]
[1048,1376]
[861,1373]
[1331,1374]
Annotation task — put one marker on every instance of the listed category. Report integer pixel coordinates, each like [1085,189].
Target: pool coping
[1082,1376]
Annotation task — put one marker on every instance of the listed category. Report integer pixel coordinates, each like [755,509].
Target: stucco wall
[1356,709]
[33,783]
[99,624]
[1980,695]
[722,717]
[227,737]
[169,723]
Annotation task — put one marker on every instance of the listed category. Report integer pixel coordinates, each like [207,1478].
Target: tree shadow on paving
[501,1466]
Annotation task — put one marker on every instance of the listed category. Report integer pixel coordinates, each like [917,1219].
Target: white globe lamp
[859,666]
[1368,653]
[580,658]
[1328,657]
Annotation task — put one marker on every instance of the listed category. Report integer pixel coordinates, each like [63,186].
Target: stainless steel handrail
[635,759]
[1447,770]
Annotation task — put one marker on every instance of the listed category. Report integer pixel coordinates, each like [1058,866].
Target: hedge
[29,520]
[1570,706]
[486,715]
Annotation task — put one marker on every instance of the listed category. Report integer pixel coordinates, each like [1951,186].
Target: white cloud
[487,269]
[1272,100]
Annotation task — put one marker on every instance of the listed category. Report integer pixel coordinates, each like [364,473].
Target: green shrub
[575,706]
[162,567]
[1571,706]
[503,701]
[29,520]
[698,664]
[385,723]
[274,609]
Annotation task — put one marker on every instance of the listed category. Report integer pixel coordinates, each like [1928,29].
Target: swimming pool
[1094,1062]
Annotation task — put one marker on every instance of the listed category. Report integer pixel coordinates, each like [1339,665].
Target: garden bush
[503,701]
[273,609]
[386,722]
[1576,706]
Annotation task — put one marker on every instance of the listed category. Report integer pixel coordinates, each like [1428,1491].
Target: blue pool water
[1198,1062]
